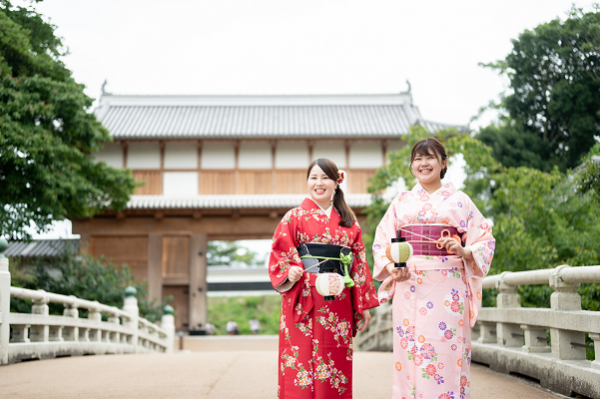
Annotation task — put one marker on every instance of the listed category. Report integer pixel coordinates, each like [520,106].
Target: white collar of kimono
[327,211]
[448,186]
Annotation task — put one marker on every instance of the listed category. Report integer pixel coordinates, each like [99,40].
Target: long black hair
[331,170]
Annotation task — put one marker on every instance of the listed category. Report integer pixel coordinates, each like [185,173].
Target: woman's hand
[398,273]
[295,273]
[454,247]
[366,320]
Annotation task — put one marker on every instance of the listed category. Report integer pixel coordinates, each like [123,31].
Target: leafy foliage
[86,277]
[552,113]
[229,253]
[47,133]
[242,309]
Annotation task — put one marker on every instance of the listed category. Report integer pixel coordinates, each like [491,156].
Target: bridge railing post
[40,333]
[508,334]
[167,323]
[131,307]
[596,338]
[4,303]
[565,298]
[535,339]
[71,310]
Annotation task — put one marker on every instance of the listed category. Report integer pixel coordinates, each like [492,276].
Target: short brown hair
[430,146]
[331,170]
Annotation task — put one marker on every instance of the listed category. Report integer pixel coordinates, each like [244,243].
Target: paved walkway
[213,374]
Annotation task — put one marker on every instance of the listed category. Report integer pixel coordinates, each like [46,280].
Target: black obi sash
[314,253]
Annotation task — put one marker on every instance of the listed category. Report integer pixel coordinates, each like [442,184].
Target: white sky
[299,47]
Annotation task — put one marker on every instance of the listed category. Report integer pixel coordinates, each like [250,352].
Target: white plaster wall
[218,156]
[291,155]
[366,154]
[394,146]
[143,156]
[181,155]
[335,151]
[180,184]
[255,155]
[112,154]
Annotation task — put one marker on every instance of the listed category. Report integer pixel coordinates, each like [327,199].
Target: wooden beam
[125,146]
[348,143]
[196,214]
[199,165]
[273,152]
[236,152]
[384,145]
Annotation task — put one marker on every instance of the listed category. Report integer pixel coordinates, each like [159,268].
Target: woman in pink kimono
[437,295]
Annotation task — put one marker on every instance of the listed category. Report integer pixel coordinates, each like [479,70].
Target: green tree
[553,111]
[47,132]
[229,253]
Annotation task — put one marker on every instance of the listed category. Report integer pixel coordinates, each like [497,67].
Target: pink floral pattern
[434,309]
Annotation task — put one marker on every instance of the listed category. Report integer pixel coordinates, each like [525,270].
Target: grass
[241,309]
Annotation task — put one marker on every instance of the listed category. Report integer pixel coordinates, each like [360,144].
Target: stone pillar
[565,298]
[487,332]
[596,338]
[155,283]
[532,343]
[4,303]
[508,334]
[131,307]
[95,334]
[198,286]
[167,323]
[71,333]
[40,333]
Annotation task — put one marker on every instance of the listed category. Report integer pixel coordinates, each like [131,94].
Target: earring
[333,194]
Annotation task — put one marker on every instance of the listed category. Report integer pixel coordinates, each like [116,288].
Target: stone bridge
[547,346]
[143,363]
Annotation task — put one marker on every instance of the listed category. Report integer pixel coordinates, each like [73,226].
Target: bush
[241,309]
[86,277]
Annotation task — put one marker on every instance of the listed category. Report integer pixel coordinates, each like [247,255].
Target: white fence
[39,335]
[513,339]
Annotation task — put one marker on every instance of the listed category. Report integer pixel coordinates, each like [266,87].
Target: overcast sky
[299,47]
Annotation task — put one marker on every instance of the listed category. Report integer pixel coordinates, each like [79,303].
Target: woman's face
[320,187]
[427,168]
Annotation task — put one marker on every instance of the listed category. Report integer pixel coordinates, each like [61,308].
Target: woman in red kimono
[315,333]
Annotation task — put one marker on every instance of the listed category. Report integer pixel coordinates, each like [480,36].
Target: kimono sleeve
[480,241]
[386,230]
[364,295]
[284,254]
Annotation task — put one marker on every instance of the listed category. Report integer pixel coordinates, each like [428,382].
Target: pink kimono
[434,309]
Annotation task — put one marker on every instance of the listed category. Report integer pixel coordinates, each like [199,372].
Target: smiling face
[320,187]
[427,168]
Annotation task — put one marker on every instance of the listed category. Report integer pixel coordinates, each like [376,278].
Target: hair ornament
[341,177]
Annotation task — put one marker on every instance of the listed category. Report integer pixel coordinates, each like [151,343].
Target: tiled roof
[232,201]
[142,117]
[40,248]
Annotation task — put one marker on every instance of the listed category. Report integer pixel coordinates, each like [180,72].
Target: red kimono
[315,336]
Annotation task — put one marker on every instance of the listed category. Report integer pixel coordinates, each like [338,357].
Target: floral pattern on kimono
[434,309]
[315,338]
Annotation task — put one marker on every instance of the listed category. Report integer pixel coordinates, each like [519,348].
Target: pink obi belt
[423,237]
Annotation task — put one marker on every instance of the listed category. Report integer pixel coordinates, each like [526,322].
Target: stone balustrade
[513,339]
[39,335]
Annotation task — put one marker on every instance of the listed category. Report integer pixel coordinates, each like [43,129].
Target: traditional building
[228,168]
